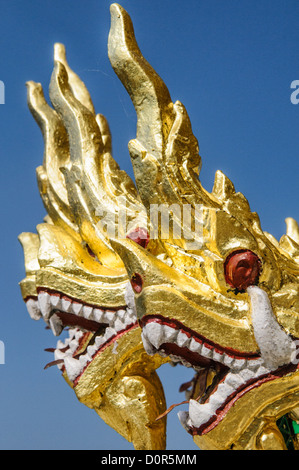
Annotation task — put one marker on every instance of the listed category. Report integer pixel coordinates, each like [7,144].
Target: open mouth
[91,328]
[222,375]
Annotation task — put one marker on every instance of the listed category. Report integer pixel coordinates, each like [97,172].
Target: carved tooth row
[73,366]
[47,303]
[71,343]
[200,414]
[155,334]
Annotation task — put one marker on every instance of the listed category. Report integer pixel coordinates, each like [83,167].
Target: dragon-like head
[74,279]
[217,293]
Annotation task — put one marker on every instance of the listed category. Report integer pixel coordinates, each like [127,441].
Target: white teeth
[206,352]
[60,344]
[48,304]
[121,313]
[147,345]
[109,332]
[78,334]
[77,308]
[170,334]
[195,346]
[73,345]
[56,325]
[98,315]
[87,311]
[154,333]
[33,309]
[217,356]
[254,364]
[99,341]
[73,367]
[118,325]
[91,350]
[56,301]
[200,413]
[58,354]
[66,305]
[241,371]
[262,371]
[238,364]
[182,339]
[84,360]
[228,360]
[44,304]
[109,316]
[234,380]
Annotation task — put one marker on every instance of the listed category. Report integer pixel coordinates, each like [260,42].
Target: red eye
[139,235]
[137,283]
[242,269]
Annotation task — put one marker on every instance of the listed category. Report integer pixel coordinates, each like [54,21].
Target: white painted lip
[276,351]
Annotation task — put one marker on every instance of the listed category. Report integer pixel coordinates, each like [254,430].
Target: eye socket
[242,269]
[137,283]
[90,252]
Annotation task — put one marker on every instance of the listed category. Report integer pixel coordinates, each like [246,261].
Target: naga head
[190,277]
[74,279]
[212,289]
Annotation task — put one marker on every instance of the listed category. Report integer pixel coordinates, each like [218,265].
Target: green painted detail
[295,427]
[287,430]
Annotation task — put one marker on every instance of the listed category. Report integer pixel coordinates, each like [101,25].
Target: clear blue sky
[231,63]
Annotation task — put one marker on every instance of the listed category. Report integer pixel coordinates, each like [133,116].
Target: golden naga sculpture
[208,288]
[73,277]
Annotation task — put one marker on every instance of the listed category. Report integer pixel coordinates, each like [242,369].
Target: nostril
[242,269]
[137,283]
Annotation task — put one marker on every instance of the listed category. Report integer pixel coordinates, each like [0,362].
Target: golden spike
[100,173]
[223,187]
[164,155]
[292,229]
[56,155]
[289,245]
[96,186]
[78,87]
[86,142]
[165,152]
[148,92]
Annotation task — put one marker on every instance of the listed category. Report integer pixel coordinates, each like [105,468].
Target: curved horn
[148,92]
[78,87]
[165,152]
[56,155]
[292,229]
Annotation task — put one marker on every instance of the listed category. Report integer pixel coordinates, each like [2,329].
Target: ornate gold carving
[238,329]
[70,257]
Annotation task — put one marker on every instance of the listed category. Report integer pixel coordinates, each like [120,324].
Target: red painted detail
[242,269]
[140,236]
[137,283]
